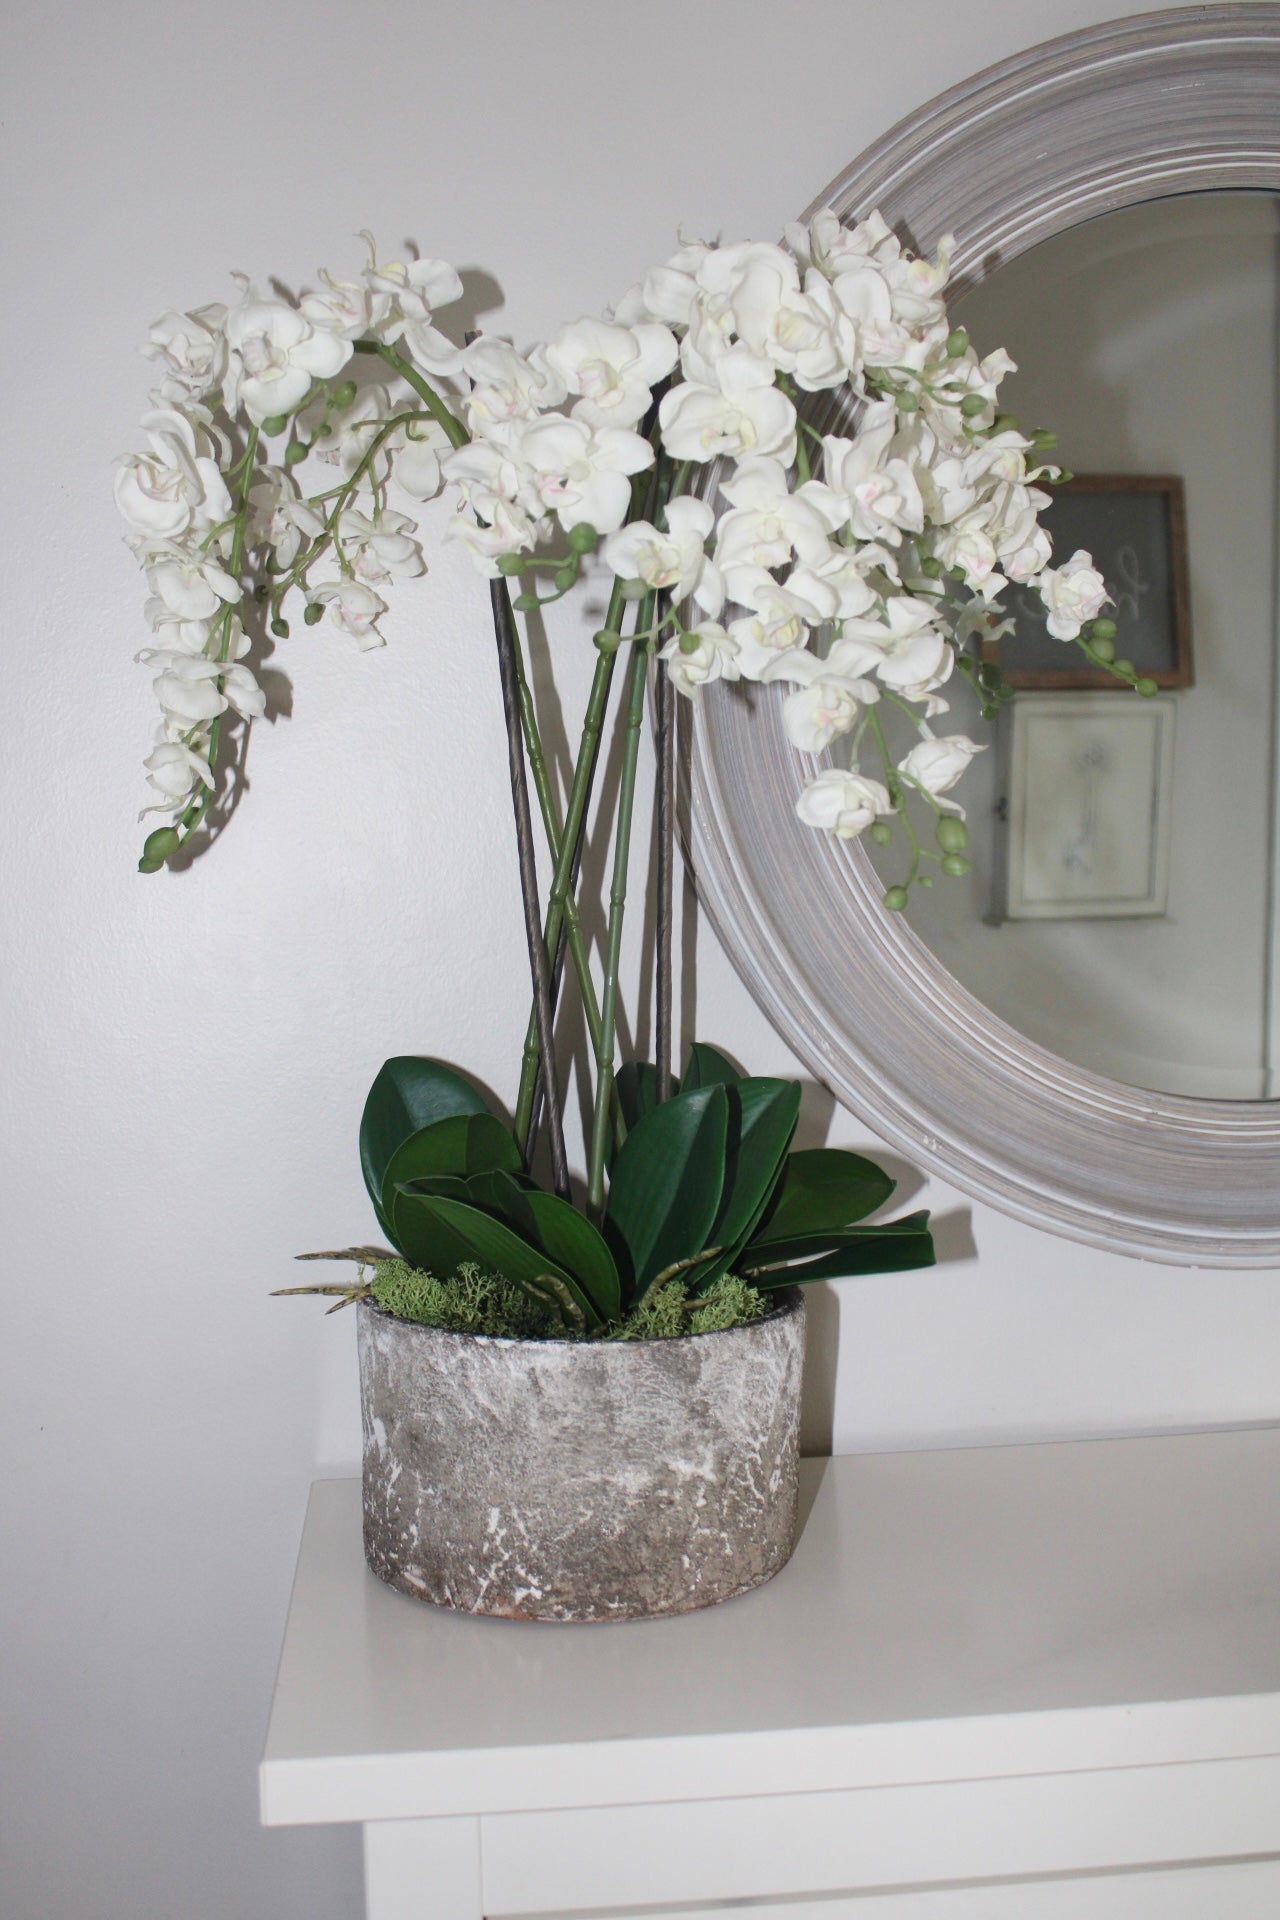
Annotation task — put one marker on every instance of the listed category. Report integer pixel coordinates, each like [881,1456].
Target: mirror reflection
[1121,909]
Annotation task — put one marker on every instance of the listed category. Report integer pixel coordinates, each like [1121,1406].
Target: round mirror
[1086,1080]
[1120,910]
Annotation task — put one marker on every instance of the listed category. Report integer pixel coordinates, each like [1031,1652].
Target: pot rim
[790,1302]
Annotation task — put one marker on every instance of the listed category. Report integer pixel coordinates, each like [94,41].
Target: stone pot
[593,1480]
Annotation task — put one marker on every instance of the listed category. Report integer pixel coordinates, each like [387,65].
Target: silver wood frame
[1163,103]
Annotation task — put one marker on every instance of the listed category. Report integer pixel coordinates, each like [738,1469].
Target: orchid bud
[1146,687]
[881,832]
[1125,668]
[1104,629]
[896,899]
[1104,650]
[280,628]
[634,589]
[972,405]
[526,603]
[908,402]
[314,614]
[957,343]
[952,835]
[274,423]
[509,564]
[956,865]
[564,578]
[157,847]
[583,538]
[343,394]
[296,453]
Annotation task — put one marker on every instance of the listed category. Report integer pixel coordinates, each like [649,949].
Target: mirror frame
[1080,126]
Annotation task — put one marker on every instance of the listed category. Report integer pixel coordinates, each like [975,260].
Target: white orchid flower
[350,308]
[906,651]
[505,528]
[583,474]
[173,769]
[190,584]
[380,547]
[699,656]
[175,488]
[768,522]
[192,349]
[613,369]
[275,356]
[281,518]
[829,702]
[742,413]
[675,560]
[667,293]
[1073,593]
[936,765]
[506,385]
[842,803]
[354,608]
[415,450]
[414,289]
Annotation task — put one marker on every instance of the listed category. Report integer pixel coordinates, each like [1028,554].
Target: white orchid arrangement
[783,463]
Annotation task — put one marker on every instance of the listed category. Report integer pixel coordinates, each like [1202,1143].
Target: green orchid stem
[565,859]
[453,427]
[539,965]
[637,681]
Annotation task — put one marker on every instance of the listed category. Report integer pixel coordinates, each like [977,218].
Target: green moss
[476,1302]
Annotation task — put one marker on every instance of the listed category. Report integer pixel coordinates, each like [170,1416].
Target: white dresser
[999,1683]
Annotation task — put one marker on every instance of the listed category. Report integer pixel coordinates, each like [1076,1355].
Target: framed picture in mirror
[1135,526]
[1086,806]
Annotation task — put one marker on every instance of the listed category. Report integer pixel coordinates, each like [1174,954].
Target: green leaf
[464,1144]
[666,1186]
[708,1068]
[896,1247]
[823,1188]
[496,1246]
[426,1239]
[566,1236]
[408,1093]
[762,1119]
[637,1087]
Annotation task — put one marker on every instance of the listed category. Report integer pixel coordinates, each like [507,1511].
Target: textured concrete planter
[551,1480]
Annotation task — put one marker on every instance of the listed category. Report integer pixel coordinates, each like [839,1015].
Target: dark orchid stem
[540,971]
[664,742]
[557,971]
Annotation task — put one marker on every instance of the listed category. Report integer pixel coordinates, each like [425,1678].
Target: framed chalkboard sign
[1135,527]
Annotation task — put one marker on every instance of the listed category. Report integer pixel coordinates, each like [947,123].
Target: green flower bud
[908,402]
[509,564]
[343,394]
[1005,423]
[957,343]
[896,899]
[565,578]
[634,589]
[608,641]
[157,847]
[991,676]
[925,880]
[972,405]
[275,423]
[931,568]
[296,452]
[583,538]
[951,834]
[526,603]
[956,865]
[280,627]
[1125,668]
[314,614]
[1103,629]
[1146,687]
[1104,650]
[881,832]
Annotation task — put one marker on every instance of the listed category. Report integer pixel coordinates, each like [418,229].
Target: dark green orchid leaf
[708,1068]
[762,1120]
[425,1238]
[409,1092]
[896,1247]
[666,1187]
[636,1082]
[822,1188]
[578,1249]
[464,1144]
[497,1247]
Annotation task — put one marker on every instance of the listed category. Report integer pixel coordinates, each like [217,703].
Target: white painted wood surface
[982,1666]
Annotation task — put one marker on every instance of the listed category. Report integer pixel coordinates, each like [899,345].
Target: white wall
[186,1055]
